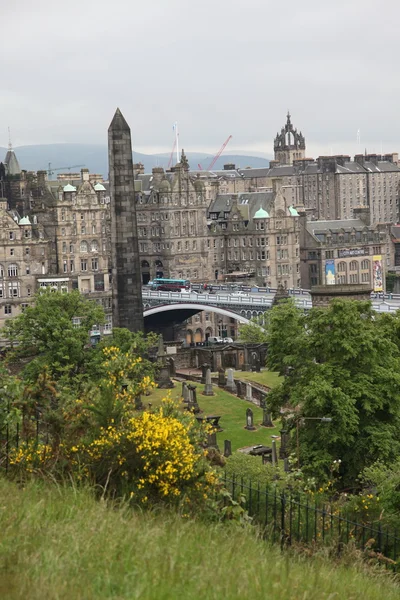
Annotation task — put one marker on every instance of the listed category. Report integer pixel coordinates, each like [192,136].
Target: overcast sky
[218,67]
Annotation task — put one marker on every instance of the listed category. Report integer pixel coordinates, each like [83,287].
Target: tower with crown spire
[289,144]
[126,276]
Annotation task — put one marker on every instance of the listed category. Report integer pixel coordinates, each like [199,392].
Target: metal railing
[290,517]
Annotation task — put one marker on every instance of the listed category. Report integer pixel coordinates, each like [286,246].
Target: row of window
[83,263]
[84,231]
[65,214]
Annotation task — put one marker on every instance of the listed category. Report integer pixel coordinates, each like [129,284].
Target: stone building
[289,144]
[72,220]
[24,260]
[257,235]
[172,224]
[349,251]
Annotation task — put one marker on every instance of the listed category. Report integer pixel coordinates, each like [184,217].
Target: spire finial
[288,116]
[9,140]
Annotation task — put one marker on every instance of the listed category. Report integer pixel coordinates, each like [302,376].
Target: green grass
[233,416]
[268,378]
[60,544]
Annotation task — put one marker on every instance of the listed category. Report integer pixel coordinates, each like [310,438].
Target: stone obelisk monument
[126,276]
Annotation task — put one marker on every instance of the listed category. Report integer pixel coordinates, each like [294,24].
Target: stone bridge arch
[161,308]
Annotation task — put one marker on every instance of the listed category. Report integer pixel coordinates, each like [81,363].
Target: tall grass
[59,543]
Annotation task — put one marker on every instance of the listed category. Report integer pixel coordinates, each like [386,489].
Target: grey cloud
[218,67]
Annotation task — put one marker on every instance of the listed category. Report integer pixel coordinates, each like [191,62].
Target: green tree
[346,367]
[286,335]
[48,332]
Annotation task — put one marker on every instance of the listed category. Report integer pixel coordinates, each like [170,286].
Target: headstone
[267,419]
[249,392]
[283,450]
[208,388]
[227,448]
[163,379]
[204,368]
[171,365]
[239,390]
[266,459]
[245,365]
[249,420]
[230,382]
[286,465]
[258,365]
[138,402]
[185,392]
[212,440]
[193,404]
[274,454]
[221,377]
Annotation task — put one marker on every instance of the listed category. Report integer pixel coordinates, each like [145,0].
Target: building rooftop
[261,214]
[69,188]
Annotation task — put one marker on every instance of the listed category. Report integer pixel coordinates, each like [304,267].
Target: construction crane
[172,154]
[216,157]
[200,167]
[51,171]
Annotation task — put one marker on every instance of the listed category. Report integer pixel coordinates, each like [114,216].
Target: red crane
[200,167]
[216,157]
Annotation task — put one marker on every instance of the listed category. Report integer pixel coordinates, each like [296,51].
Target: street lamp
[320,419]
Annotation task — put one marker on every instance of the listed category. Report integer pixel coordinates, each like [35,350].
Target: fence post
[283,502]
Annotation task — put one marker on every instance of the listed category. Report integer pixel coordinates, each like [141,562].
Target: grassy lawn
[233,416]
[60,543]
[268,378]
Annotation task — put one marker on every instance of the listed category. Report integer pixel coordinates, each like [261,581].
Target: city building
[349,251]
[24,261]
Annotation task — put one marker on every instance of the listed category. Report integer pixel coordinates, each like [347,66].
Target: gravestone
[227,448]
[204,368]
[230,382]
[192,403]
[258,365]
[249,392]
[221,377]
[286,465]
[283,451]
[266,459]
[267,419]
[249,420]
[138,402]
[163,378]
[172,368]
[239,390]
[185,392]
[208,388]
[245,365]
[274,454]
[212,440]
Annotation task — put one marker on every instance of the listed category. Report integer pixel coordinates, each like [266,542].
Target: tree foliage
[46,331]
[346,366]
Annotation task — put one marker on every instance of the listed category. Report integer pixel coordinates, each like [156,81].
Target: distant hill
[94,157]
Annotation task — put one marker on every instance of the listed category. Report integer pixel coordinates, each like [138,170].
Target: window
[12,251]
[95,264]
[342,267]
[83,265]
[71,266]
[65,267]
[83,246]
[11,235]
[27,270]
[83,230]
[27,251]
[353,266]
[28,291]
[71,248]
[364,265]
[12,271]
[82,216]
[94,246]
[7,309]
[62,230]
[64,247]
[93,228]
[13,289]
[24,306]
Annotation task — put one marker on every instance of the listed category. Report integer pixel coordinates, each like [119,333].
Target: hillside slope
[95,158]
[60,543]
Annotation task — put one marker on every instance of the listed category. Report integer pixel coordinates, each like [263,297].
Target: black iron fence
[292,517]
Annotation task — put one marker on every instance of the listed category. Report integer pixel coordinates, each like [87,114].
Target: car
[228,340]
[213,339]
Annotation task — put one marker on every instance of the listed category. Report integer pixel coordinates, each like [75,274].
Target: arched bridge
[241,307]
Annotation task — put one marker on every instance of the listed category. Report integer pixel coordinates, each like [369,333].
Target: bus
[170,285]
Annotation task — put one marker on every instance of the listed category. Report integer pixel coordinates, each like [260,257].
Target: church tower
[126,277]
[289,145]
